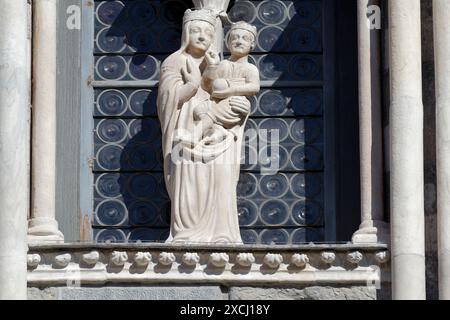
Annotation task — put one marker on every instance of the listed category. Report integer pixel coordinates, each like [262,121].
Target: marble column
[43,225]
[441,17]
[372,229]
[14,147]
[406,132]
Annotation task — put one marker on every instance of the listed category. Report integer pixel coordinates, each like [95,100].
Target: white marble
[43,225]
[219,7]
[142,259]
[14,147]
[202,107]
[212,265]
[372,229]
[441,14]
[406,158]
[91,257]
[299,260]
[219,260]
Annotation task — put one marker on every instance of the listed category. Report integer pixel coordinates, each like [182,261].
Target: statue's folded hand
[240,105]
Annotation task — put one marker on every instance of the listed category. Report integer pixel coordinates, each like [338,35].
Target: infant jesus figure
[235,77]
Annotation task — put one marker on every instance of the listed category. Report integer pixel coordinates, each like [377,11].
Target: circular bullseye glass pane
[306,103]
[142,102]
[273,130]
[142,157]
[307,213]
[142,12]
[142,40]
[303,12]
[172,11]
[243,11]
[272,103]
[112,41]
[274,157]
[247,185]
[306,131]
[306,158]
[111,212]
[304,39]
[111,12]
[306,185]
[274,186]
[272,66]
[271,39]
[112,130]
[142,213]
[247,213]
[143,67]
[303,68]
[274,212]
[143,185]
[298,236]
[274,237]
[112,103]
[108,185]
[109,157]
[110,236]
[272,12]
[111,67]
[249,236]
[144,130]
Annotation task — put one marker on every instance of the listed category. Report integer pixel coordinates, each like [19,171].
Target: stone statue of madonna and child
[203,109]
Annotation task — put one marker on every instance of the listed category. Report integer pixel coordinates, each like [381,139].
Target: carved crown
[216,5]
[244,26]
[202,15]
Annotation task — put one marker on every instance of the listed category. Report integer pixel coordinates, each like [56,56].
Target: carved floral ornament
[217,259]
[149,265]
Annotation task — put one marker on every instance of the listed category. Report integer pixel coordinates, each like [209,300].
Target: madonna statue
[201,165]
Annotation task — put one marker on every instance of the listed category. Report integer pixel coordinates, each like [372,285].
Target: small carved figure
[229,78]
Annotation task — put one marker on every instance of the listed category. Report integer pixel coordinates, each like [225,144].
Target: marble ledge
[145,263]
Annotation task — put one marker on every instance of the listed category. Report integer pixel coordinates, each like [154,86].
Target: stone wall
[202,292]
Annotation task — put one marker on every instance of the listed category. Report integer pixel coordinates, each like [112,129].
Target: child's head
[242,39]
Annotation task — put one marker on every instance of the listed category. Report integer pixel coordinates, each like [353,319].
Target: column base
[43,230]
[372,232]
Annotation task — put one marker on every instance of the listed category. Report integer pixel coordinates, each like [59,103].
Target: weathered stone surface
[128,293]
[309,293]
[208,293]
[42,294]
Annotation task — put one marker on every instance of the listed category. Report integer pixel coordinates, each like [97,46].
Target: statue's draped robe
[202,191]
